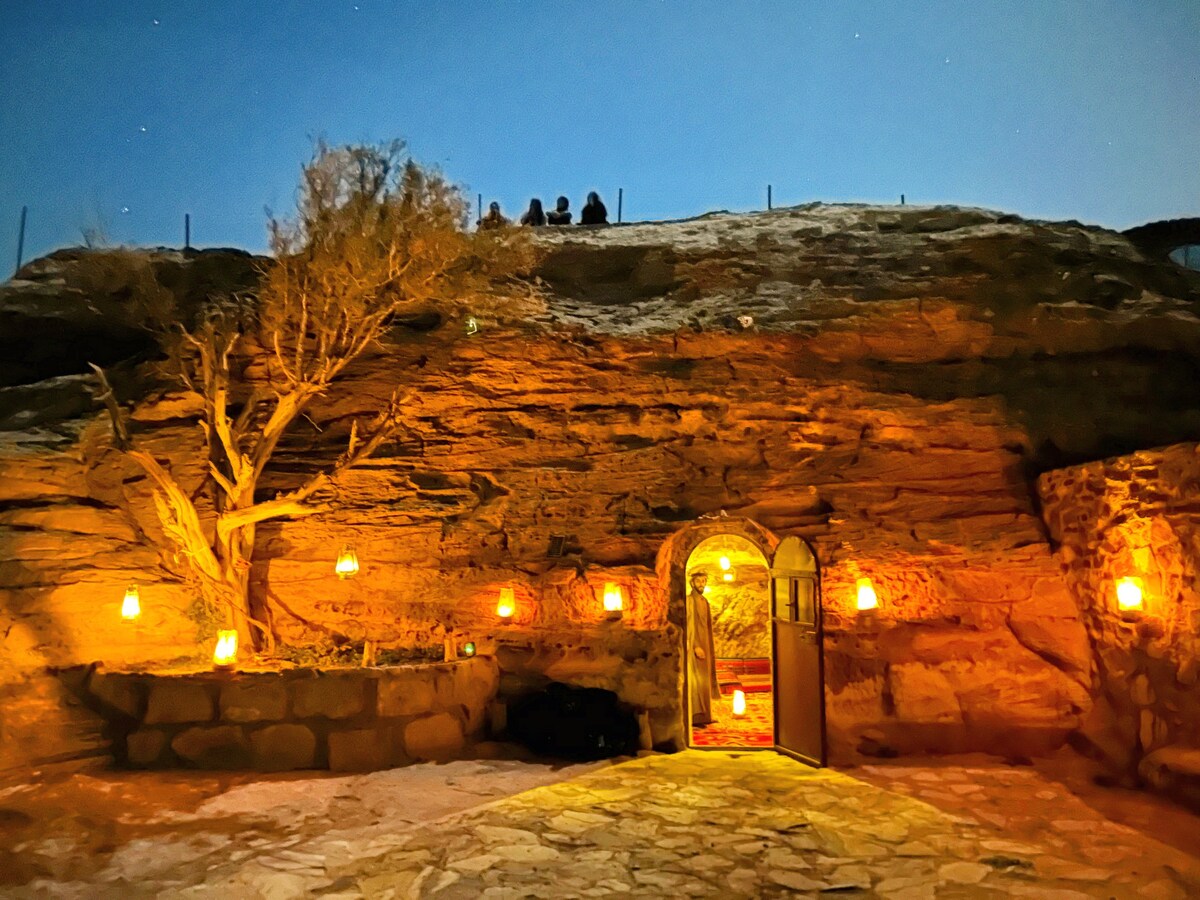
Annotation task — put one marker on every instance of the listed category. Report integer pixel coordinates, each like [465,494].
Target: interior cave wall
[614,444]
[1136,517]
[741,615]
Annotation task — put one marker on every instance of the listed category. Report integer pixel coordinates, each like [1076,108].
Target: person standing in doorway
[702,664]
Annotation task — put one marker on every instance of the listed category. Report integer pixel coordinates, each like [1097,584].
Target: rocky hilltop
[885,382]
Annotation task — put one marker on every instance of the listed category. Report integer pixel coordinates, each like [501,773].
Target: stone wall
[345,720]
[1137,516]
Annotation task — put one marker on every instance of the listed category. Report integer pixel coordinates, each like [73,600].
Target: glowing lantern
[724,563]
[131,607]
[507,604]
[225,655]
[469,648]
[727,576]
[866,595]
[612,598]
[739,702]
[347,563]
[1129,594]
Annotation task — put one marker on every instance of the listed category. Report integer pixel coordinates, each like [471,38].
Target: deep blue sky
[1048,108]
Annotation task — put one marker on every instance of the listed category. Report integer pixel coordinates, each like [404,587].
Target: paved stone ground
[694,824]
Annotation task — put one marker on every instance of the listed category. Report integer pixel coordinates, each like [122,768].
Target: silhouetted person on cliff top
[534,215]
[561,214]
[493,219]
[594,212]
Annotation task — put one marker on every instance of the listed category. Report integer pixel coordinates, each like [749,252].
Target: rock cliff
[884,382]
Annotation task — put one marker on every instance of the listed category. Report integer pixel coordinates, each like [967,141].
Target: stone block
[364,750]
[407,692]
[476,681]
[145,748]
[434,737]
[257,700]
[178,701]
[219,747]
[118,693]
[330,696]
[282,748]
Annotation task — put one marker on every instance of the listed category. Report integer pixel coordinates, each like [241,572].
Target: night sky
[125,114]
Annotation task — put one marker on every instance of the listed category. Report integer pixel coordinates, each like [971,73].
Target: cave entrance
[731,699]
[755,674]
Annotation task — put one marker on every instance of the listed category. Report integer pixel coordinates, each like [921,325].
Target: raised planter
[340,719]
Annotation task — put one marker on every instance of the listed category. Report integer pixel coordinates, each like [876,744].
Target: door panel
[799,669]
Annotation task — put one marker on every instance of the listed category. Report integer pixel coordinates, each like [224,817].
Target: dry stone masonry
[345,720]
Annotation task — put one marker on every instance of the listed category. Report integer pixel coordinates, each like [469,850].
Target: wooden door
[799,664]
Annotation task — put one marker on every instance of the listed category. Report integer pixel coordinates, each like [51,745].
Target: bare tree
[374,235]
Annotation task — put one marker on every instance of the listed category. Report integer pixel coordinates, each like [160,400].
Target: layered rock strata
[897,379]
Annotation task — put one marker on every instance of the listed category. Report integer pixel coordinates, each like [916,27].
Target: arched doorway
[731,696]
[793,611]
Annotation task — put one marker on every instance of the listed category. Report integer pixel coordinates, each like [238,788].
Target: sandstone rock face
[887,404]
[1135,517]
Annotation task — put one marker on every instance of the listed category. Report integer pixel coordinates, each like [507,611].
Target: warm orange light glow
[724,563]
[728,576]
[739,703]
[131,607]
[1129,594]
[225,654]
[507,604]
[612,598]
[347,563]
[867,598]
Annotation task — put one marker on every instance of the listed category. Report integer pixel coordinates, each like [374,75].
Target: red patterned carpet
[755,729]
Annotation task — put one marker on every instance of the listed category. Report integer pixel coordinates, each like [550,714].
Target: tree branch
[108,396]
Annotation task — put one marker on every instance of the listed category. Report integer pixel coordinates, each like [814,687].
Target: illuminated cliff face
[904,373]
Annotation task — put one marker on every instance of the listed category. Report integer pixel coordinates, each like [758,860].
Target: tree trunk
[235,553]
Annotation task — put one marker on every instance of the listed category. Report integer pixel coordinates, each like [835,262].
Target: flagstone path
[695,824]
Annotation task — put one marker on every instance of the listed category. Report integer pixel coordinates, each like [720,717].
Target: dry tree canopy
[375,234]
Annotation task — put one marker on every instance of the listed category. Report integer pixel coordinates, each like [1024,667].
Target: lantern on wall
[507,604]
[1129,595]
[727,576]
[612,598]
[131,606]
[739,702]
[225,654]
[724,563]
[866,597]
[347,563]
[468,648]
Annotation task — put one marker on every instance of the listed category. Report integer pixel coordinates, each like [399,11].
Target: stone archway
[671,567]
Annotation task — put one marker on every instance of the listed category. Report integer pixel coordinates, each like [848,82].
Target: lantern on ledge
[613,603]
[739,702]
[1129,595]
[131,606]
[468,649]
[507,604]
[347,563]
[866,598]
[225,654]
